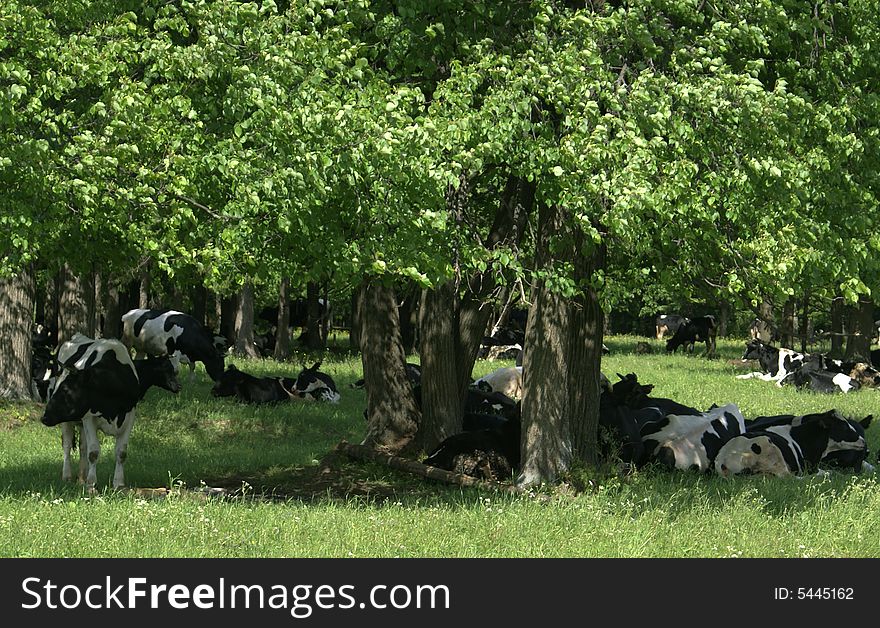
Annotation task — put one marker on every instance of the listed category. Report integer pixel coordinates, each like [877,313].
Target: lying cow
[490,454]
[792,445]
[252,389]
[164,332]
[313,385]
[98,389]
[507,380]
[702,329]
[812,376]
[776,364]
[692,441]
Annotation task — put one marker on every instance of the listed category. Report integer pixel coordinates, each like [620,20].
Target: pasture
[283,503]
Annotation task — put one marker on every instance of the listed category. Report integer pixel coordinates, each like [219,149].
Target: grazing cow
[506,380]
[490,454]
[313,385]
[702,329]
[776,364]
[163,332]
[791,445]
[98,389]
[692,441]
[667,324]
[252,389]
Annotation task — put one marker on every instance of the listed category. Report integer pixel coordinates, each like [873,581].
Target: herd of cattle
[95,384]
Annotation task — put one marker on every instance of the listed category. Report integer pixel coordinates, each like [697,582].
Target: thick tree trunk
[861,328]
[585,355]
[547,444]
[392,414]
[837,331]
[73,309]
[766,321]
[409,316]
[723,318]
[441,398]
[282,332]
[244,323]
[144,288]
[16,322]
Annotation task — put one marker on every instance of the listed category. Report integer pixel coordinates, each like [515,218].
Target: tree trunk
[788,328]
[313,317]
[861,328]
[585,355]
[144,288]
[766,321]
[282,332]
[723,318]
[392,414]
[112,314]
[228,309]
[547,444]
[409,316]
[441,399]
[244,323]
[16,323]
[354,325]
[804,330]
[73,308]
[327,316]
[199,297]
[837,330]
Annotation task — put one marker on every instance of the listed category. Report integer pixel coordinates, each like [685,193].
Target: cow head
[847,447]
[69,398]
[313,384]
[227,382]
[159,372]
[754,350]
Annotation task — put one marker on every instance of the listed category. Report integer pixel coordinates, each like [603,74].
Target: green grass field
[282,507]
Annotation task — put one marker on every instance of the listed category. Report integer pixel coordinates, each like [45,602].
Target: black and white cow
[489,454]
[252,389]
[786,444]
[811,376]
[98,389]
[164,332]
[866,375]
[701,329]
[692,441]
[776,363]
[313,385]
[667,324]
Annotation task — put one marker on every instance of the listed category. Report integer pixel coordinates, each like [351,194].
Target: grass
[363,510]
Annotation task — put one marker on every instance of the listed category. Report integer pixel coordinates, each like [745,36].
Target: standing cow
[165,332]
[98,389]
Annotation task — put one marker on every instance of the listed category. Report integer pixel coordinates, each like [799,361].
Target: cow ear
[866,421]
[315,366]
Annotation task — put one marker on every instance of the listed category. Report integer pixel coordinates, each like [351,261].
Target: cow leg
[68,435]
[83,456]
[192,370]
[122,449]
[93,448]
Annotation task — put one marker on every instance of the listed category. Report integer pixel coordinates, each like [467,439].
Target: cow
[164,332]
[775,363]
[490,454]
[620,428]
[866,375]
[507,380]
[252,389]
[667,324]
[812,376]
[628,391]
[786,444]
[479,401]
[701,329]
[692,441]
[98,389]
[313,385]
[875,357]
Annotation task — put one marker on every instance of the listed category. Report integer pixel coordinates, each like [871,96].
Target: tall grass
[192,438]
